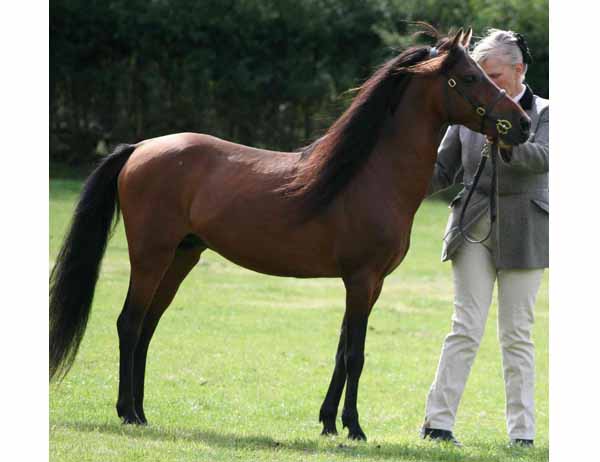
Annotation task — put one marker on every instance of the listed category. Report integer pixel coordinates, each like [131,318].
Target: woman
[514,255]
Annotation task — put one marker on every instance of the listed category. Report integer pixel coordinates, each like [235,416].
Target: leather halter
[502,126]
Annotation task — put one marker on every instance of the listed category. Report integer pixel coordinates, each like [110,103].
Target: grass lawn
[241,361]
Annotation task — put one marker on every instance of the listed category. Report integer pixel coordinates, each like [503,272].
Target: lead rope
[489,150]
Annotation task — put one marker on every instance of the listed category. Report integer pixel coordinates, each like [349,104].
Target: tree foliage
[268,73]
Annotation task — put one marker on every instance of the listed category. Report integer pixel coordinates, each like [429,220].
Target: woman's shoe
[435,434]
[521,442]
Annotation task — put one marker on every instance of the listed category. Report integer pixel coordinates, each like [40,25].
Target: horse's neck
[407,149]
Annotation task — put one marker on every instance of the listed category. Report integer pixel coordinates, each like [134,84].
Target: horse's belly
[278,264]
[275,268]
[272,254]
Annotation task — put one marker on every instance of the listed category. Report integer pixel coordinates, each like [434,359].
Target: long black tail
[73,278]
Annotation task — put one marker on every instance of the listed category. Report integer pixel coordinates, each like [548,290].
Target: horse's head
[471,98]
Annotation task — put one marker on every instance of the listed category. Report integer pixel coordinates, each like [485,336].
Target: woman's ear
[520,68]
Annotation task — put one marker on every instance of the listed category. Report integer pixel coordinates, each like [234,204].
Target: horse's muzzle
[514,134]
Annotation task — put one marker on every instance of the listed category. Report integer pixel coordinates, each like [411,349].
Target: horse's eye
[469,79]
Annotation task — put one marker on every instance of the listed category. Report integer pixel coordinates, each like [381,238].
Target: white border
[574,255]
[574,252]
[24,193]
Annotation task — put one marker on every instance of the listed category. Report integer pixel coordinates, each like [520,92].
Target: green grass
[241,361]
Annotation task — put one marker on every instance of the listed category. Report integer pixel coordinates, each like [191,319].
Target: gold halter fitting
[481,111]
[503,126]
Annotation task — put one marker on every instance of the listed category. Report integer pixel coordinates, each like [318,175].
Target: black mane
[330,163]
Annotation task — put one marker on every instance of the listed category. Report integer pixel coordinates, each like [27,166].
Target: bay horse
[343,207]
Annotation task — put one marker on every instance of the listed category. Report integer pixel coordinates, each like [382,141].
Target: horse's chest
[393,252]
[395,259]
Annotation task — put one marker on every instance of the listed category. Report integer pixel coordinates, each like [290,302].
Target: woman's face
[506,76]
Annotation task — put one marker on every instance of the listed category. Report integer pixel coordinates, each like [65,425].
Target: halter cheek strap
[503,126]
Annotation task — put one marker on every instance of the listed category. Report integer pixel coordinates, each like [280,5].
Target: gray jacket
[521,230]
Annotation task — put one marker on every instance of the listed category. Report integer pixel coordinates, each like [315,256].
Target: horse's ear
[457,38]
[467,38]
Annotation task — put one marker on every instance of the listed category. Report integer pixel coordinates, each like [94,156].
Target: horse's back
[207,143]
[191,150]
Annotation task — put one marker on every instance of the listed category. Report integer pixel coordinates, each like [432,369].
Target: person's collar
[525,98]
[518,97]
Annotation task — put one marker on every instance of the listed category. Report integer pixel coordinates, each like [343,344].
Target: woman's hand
[501,144]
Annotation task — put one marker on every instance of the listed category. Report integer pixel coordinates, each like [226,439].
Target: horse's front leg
[361,294]
[328,412]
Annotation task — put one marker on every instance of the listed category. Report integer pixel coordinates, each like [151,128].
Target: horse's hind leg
[146,274]
[186,256]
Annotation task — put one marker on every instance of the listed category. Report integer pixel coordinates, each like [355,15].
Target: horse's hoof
[329,429]
[328,421]
[132,419]
[142,417]
[357,434]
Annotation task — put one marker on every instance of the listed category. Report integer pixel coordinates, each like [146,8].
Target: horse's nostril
[525,124]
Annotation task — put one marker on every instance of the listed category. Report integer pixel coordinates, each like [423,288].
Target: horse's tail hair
[75,272]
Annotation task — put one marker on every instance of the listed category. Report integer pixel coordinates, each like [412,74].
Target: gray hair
[500,44]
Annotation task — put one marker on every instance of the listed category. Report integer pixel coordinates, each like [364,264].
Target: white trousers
[474,277]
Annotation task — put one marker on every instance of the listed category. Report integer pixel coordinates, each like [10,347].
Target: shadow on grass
[338,446]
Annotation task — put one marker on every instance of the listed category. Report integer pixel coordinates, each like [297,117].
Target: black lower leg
[355,359]
[139,370]
[124,406]
[129,326]
[138,376]
[328,412]
[128,337]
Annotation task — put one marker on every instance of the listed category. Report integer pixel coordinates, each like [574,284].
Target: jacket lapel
[526,100]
